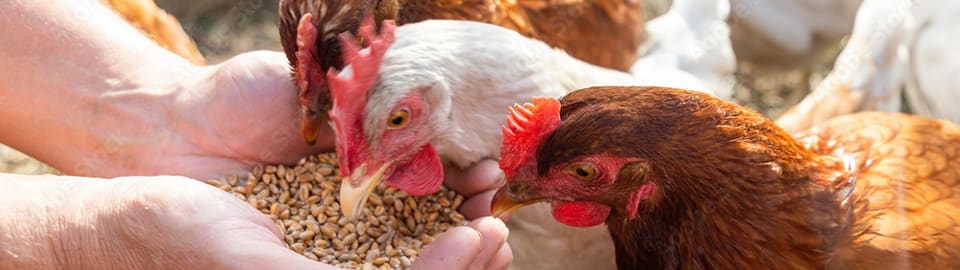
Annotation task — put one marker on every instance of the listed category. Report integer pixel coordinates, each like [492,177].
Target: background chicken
[439,96]
[689,47]
[786,33]
[687,181]
[602,32]
[895,45]
[932,88]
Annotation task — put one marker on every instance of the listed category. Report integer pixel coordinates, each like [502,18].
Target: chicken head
[392,147]
[309,31]
[583,190]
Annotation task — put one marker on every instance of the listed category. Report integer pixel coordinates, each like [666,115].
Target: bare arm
[75,76]
[87,93]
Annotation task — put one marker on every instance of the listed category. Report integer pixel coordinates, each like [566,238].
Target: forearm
[76,85]
[50,222]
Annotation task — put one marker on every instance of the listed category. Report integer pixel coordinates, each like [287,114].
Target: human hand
[478,183]
[233,235]
[234,115]
[175,223]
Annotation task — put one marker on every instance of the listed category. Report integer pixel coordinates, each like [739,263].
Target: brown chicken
[602,32]
[687,181]
[164,29]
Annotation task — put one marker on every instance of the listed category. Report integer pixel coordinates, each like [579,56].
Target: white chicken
[442,91]
[689,47]
[895,44]
[785,32]
[933,62]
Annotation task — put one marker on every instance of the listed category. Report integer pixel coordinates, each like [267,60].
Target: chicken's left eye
[398,119]
[584,171]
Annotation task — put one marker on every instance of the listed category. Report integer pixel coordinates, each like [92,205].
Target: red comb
[307,68]
[526,129]
[349,93]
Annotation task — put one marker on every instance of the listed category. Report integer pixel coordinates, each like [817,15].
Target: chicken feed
[302,200]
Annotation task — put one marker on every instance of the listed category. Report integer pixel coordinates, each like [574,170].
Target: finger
[478,205]
[482,176]
[502,259]
[494,235]
[454,249]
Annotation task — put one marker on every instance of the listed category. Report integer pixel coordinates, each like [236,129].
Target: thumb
[494,234]
[454,249]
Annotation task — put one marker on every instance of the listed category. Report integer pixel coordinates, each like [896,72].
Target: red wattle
[421,175]
[581,213]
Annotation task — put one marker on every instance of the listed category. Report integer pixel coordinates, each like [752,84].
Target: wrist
[128,130]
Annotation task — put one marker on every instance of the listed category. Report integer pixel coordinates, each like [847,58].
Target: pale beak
[355,188]
[504,202]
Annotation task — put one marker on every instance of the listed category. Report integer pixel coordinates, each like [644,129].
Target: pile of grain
[393,228]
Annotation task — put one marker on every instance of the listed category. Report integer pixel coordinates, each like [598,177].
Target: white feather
[789,28]
[472,72]
[932,86]
[689,47]
[895,44]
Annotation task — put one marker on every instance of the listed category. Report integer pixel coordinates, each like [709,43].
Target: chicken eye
[584,172]
[398,119]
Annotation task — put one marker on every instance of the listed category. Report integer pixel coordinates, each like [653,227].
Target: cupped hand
[167,222]
[234,115]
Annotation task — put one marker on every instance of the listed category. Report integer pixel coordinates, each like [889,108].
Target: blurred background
[223,28]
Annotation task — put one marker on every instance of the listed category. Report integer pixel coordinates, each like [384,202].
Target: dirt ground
[223,28]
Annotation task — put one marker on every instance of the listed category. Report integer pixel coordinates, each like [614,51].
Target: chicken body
[897,47]
[907,174]
[602,32]
[605,33]
[686,181]
[788,32]
[930,86]
[691,37]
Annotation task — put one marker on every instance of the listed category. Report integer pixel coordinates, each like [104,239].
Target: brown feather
[601,32]
[866,191]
